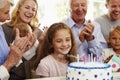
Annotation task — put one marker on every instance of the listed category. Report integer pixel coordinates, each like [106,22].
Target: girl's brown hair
[45,48]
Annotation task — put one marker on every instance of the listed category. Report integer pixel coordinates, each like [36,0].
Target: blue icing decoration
[71,65]
[83,75]
[95,75]
[79,72]
[111,78]
[108,73]
[73,78]
[89,70]
[74,69]
[101,74]
[77,78]
[67,78]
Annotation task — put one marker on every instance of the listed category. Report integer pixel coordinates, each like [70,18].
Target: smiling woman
[25,11]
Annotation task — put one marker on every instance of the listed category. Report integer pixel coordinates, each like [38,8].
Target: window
[51,11]
[55,10]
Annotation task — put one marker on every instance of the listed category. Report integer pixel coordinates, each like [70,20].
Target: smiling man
[111,19]
[88,36]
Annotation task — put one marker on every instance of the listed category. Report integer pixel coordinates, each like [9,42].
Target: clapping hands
[21,44]
[86,33]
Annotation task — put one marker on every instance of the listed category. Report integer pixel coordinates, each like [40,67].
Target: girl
[114,51]
[57,44]
[114,41]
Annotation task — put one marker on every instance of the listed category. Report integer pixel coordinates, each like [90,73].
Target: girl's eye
[33,10]
[7,12]
[58,41]
[68,39]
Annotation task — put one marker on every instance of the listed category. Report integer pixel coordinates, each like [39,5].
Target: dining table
[116,76]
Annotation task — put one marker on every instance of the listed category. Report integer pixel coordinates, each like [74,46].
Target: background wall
[51,11]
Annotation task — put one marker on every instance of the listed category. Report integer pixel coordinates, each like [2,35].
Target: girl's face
[115,40]
[62,42]
[27,11]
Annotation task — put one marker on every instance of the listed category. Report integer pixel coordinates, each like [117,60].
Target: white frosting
[88,64]
[89,71]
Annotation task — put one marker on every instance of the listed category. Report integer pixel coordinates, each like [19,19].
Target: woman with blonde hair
[17,14]
[26,11]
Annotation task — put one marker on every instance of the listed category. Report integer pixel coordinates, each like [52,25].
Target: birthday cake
[89,71]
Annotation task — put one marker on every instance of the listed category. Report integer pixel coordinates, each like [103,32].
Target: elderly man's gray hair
[4,2]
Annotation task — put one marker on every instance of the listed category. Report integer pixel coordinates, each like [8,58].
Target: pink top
[50,67]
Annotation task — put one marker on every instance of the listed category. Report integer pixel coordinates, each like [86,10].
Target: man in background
[111,19]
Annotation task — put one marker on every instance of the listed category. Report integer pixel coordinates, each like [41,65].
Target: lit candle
[77,58]
[97,57]
[84,59]
[91,57]
[88,57]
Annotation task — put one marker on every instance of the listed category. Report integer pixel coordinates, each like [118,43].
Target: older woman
[26,11]
[9,56]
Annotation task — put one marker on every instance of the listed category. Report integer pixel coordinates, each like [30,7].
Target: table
[52,78]
[116,76]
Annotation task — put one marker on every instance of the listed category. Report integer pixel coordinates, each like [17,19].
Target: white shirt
[4,75]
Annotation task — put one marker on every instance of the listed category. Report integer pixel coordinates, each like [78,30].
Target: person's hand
[16,51]
[21,42]
[86,33]
[13,58]
[89,28]
[108,59]
[82,35]
[33,37]
[43,34]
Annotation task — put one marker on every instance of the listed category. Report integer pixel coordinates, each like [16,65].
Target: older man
[89,38]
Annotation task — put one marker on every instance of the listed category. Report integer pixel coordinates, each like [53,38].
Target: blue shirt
[94,46]
[4,48]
